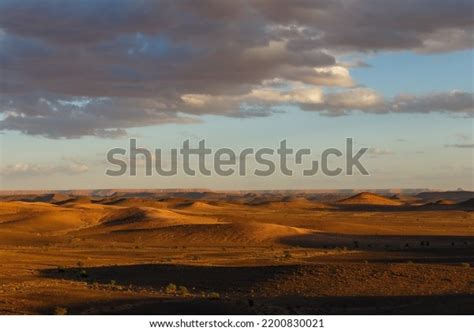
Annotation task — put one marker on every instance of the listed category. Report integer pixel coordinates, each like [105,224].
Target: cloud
[460,145]
[465,141]
[98,68]
[455,101]
[369,101]
[35,169]
[356,24]
[463,136]
[375,152]
[102,117]
[339,103]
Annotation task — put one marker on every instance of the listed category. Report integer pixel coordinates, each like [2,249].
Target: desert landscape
[252,252]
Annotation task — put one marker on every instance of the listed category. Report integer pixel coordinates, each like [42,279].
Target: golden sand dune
[143,202]
[142,218]
[39,217]
[296,203]
[366,198]
[231,234]
[198,206]
[445,202]
[80,200]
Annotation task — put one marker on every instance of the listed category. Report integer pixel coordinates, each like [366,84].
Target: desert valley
[204,252]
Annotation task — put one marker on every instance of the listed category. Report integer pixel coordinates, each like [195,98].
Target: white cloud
[21,169]
[376,152]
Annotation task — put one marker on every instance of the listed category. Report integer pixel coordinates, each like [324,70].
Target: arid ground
[236,253]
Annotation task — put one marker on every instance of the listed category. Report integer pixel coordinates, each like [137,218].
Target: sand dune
[73,201]
[230,234]
[445,202]
[144,219]
[457,196]
[140,202]
[40,217]
[197,206]
[296,203]
[366,198]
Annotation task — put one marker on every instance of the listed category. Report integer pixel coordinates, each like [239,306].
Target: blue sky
[397,72]
[153,87]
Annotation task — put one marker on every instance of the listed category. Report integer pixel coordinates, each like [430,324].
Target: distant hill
[366,198]
[457,196]
[468,203]
[445,202]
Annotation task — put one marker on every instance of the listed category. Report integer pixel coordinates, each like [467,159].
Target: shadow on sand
[238,288]
[219,279]
[438,246]
[402,208]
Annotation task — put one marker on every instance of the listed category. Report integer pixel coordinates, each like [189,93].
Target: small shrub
[60,311]
[214,296]
[466,265]
[83,274]
[60,269]
[113,282]
[171,289]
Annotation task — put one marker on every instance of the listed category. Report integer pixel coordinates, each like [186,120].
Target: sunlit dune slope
[207,234]
[366,198]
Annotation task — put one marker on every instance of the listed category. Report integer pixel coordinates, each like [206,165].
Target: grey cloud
[456,102]
[131,62]
[460,145]
[105,117]
[357,24]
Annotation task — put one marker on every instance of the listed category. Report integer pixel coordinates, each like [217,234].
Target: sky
[78,79]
